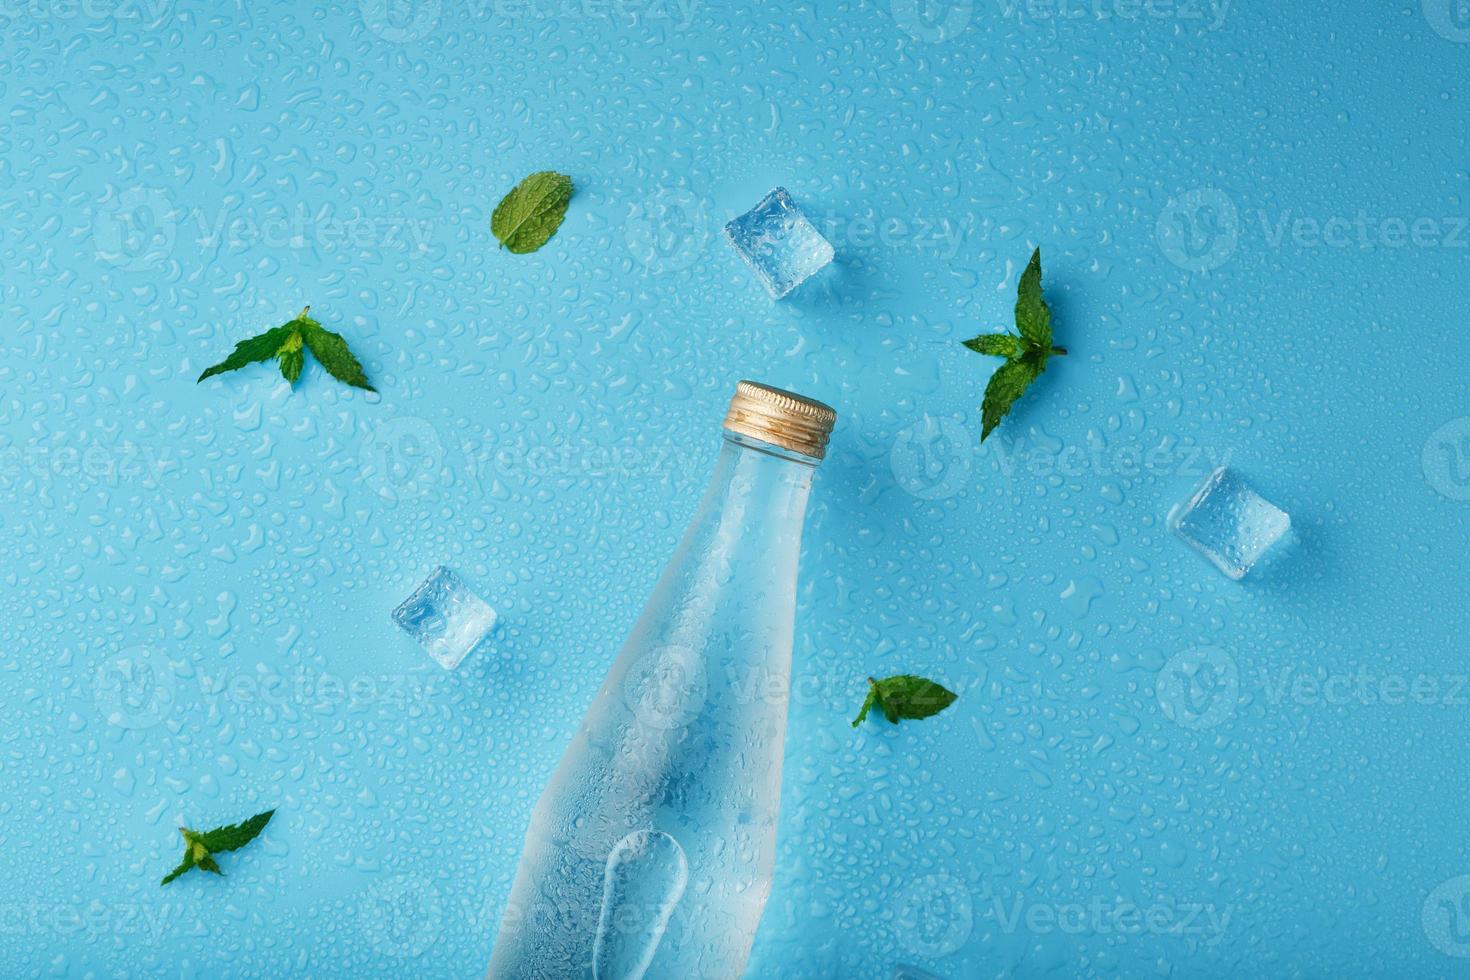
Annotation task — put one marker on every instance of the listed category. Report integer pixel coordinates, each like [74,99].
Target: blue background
[197,580]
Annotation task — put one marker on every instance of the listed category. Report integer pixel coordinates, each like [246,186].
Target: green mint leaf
[200,848]
[906,697]
[862,715]
[258,348]
[285,343]
[235,835]
[184,865]
[291,358]
[1025,355]
[527,217]
[1006,385]
[996,344]
[890,711]
[333,353]
[1033,316]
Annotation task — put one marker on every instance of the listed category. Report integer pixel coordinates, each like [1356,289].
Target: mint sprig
[527,217]
[904,696]
[286,342]
[200,847]
[1026,351]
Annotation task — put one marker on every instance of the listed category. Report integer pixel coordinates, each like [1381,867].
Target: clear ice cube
[1229,523]
[779,243]
[446,617]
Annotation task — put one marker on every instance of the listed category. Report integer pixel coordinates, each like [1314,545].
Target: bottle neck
[759,489]
[737,560]
[747,529]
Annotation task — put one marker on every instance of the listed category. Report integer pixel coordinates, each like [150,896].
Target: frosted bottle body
[651,851]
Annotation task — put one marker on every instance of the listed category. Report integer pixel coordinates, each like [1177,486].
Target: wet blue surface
[1253,227]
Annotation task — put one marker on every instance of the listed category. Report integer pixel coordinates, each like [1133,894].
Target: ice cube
[1228,522]
[446,617]
[780,244]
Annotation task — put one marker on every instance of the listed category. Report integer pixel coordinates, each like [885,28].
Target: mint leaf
[905,697]
[258,348]
[1033,316]
[291,358]
[200,848]
[236,835]
[333,353]
[996,344]
[184,865]
[1006,385]
[527,217]
[285,344]
[1025,355]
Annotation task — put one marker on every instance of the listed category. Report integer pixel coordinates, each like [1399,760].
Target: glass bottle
[651,851]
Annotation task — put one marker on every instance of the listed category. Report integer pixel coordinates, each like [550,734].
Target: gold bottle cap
[782,418]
